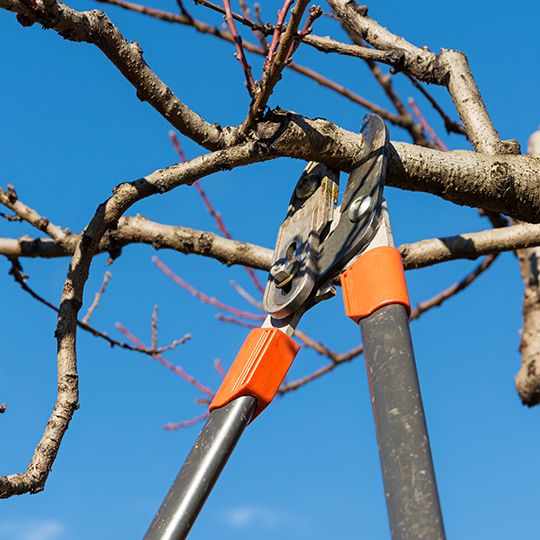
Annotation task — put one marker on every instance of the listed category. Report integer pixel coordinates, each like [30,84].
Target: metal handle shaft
[409,479]
[201,470]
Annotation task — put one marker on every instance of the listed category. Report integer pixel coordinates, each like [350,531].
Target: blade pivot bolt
[360,207]
[307,185]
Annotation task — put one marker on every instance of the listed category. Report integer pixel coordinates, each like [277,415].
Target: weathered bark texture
[528,376]
[492,178]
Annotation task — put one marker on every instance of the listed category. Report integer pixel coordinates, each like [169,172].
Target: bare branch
[320,43]
[20,278]
[276,61]
[420,117]
[181,372]
[106,216]
[449,69]
[202,296]
[240,55]
[97,299]
[416,255]
[420,309]
[10,200]
[95,27]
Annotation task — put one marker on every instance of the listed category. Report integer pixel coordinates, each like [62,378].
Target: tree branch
[96,28]
[107,214]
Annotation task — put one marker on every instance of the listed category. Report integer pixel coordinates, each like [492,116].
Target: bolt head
[307,185]
[360,207]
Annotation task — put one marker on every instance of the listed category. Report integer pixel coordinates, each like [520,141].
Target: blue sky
[71,128]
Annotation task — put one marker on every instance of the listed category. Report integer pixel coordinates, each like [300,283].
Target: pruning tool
[317,242]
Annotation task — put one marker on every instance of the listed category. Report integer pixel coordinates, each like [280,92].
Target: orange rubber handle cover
[374,280]
[258,369]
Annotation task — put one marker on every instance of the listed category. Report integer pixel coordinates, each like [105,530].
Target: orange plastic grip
[258,369]
[374,280]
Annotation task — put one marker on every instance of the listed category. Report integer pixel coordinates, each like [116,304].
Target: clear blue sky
[71,128]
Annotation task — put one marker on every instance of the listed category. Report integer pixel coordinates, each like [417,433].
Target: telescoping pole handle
[249,387]
[375,295]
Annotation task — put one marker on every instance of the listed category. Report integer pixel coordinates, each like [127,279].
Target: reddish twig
[419,310]
[259,34]
[277,60]
[20,277]
[233,320]
[203,297]
[175,369]
[246,12]
[425,124]
[450,125]
[97,297]
[278,29]
[212,211]
[186,423]
[444,295]
[246,296]
[314,13]
[219,367]
[153,325]
[315,345]
[208,29]
[240,54]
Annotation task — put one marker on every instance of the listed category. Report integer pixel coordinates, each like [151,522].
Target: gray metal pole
[201,470]
[409,479]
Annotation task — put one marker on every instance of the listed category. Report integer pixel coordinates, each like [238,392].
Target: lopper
[317,243]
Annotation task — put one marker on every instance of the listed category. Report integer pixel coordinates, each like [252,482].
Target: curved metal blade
[360,210]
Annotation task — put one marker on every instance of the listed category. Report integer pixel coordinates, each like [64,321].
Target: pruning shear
[317,242]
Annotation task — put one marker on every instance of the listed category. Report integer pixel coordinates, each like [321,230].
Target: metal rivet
[307,185]
[359,208]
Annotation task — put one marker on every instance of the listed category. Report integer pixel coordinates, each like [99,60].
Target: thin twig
[154,327]
[444,295]
[10,217]
[204,28]
[175,369]
[425,124]
[233,320]
[277,59]
[219,367]
[186,423]
[212,211]
[203,297]
[314,13]
[451,125]
[246,12]
[240,54]
[20,277]
[97,298]
[246,296]
[276,35]
[419,310]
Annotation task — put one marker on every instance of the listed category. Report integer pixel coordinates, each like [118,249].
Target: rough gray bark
[528,376]
[495,179]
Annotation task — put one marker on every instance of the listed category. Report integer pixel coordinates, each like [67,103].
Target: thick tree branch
[96,28]
[528,377]
[105,218]
[450,68]
[208,29]
[137,229]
